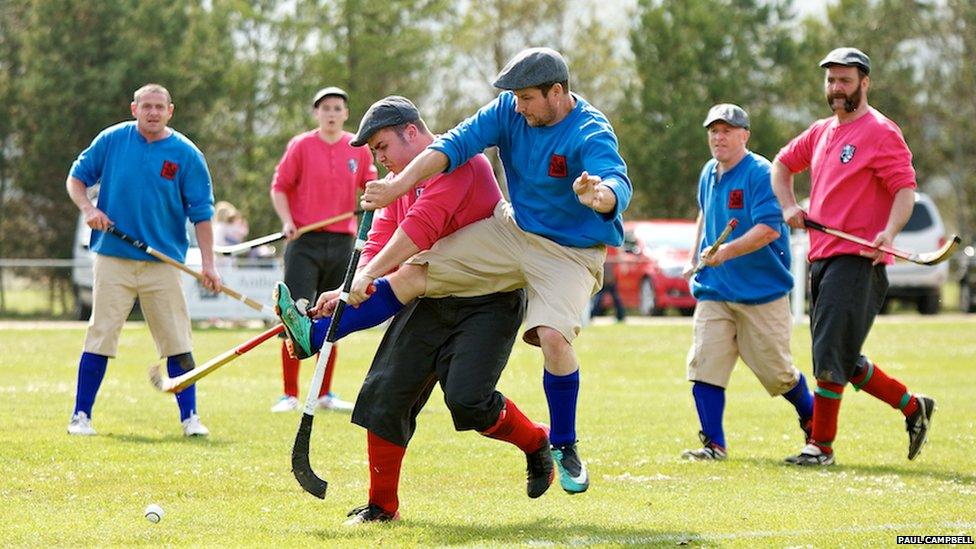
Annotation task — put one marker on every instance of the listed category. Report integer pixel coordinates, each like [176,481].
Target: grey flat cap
[392,110]
[732,115]
[532,67]
[848,57]
[326,92]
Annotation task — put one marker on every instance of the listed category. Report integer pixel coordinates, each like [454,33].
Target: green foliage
[242,72]
[636,415]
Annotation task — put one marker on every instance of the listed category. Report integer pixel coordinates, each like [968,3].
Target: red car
[649,264]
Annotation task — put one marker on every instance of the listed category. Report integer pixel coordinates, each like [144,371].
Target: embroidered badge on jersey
[352,165]
[557,166]
[169,170]
[847,153]
[735,199]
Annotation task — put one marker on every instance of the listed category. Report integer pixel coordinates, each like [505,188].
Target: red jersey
[320,179]
[855,170]
[437,207]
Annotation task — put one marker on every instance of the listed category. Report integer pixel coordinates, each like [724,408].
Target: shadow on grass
[167,439]
[910,469]
[535,532]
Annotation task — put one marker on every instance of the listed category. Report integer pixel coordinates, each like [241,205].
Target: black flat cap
[847,57]
[392,110]
[532,67]
[330,91]
[732,115]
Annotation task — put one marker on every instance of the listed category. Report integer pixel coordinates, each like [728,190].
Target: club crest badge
[736,199]
[353,165]
[847,153]
[169,170]
[557,166]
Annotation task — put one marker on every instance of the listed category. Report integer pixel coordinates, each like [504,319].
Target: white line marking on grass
[963,528]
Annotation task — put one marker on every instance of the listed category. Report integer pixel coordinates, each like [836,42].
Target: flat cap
[326,92]
[848,57]
[532,67]
[392,110]
[732,115]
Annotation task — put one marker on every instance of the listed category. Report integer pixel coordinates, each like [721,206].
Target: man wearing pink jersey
[461,342]
[317,179]
[862,182]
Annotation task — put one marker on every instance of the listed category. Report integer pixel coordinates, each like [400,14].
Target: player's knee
[552,341]
[409,282]
[466,410]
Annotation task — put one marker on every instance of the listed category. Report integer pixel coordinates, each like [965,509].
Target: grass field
[460,489]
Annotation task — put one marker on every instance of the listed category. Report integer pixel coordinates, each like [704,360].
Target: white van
[253,277]
[920,284]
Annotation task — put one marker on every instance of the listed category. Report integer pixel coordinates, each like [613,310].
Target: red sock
[514,427]
[329,369]
[873,381]
[289,371]
[385,459]
[826,407]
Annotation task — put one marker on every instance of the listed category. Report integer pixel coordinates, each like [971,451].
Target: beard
[851,102]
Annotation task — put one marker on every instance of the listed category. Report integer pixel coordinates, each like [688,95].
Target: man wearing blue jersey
[743,307]
[152,179]
[568,187]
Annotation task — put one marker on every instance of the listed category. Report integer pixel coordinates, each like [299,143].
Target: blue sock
[710,401]
[801,398]
[380,306]
[91,371]
[561,394]
[187,398]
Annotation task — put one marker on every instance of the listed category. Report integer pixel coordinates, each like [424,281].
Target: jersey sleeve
[380,232]
[764,207]
[601,157]
[893,164]
[87,168]
[288,170]
[798,153]
[197,188]
[428,218]
[475,134]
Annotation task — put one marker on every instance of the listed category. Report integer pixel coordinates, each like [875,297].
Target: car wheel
[966,304]
[647,298]
[929,304]
[687,311]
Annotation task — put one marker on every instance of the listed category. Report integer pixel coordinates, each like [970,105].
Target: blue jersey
[148,190]
[541,164]
[746,194]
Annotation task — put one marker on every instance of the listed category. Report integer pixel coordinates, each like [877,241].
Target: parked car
[649,264]
[920,284]
[967,280]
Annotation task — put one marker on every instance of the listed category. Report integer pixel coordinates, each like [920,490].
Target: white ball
[154,513]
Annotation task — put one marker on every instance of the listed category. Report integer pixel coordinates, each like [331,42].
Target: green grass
[460,489]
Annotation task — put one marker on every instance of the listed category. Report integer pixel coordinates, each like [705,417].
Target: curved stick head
[942,254]
[158,380]
[301,467]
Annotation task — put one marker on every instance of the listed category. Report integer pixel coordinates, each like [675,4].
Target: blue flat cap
[392,110]
[732,115]
[847,57]
[533,67]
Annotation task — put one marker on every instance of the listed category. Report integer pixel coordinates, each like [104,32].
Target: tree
[689,55]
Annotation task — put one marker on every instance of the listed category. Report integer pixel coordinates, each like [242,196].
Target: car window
[920,219]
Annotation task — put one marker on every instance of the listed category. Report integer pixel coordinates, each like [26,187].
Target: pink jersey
[855,170]
[437,207]
[320,179]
